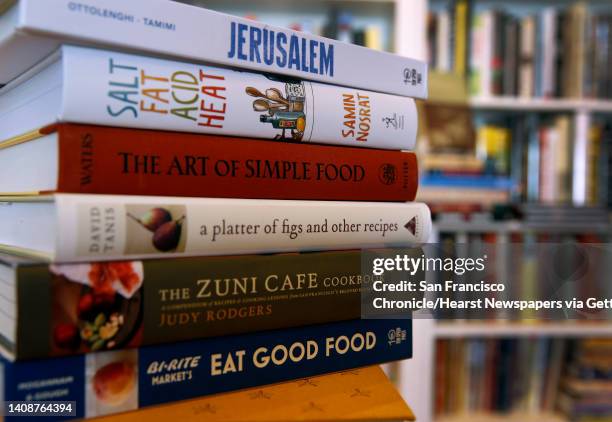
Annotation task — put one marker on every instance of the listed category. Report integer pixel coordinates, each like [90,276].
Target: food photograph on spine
[96,306]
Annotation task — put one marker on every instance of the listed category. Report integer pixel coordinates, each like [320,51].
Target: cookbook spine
[119,89]
[107,227]
[104,160]
[181,299]
[194,33]
[117,381]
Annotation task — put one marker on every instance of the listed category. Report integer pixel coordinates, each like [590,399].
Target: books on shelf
[460,26]
[467,181]
[353,395]
[555,177]
[565,215]
[527,58]
[560,52]
[510,55]
[443,28]
[448,128]
[493,145]
[477,376]
[118,89]
[462,164]
[441,196]
[110,382]
[452,163]
[74,158]
[524,377]
[32,29]
[525,255]
[482,38]
[586,387]
[341,26]
[573,76]
[535,153]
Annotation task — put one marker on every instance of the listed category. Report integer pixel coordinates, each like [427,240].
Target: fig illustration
[66,336]
[168,235]
[153,219]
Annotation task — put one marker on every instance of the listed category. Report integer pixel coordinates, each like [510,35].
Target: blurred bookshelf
[518,129]
[487,417]
[544,105]
[515,329]
[532,82]
[536,97]
[525,417]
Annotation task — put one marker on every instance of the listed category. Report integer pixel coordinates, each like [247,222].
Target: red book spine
[108,160]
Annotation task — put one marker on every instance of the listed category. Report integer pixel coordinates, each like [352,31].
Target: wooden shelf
[540,104]
[509,329]
[492,417]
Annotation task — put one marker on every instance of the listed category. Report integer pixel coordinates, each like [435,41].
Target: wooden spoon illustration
[263,105]
[275,95]
[254,92]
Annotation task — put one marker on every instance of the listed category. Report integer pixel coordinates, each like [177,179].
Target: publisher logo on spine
[411,225]
[412,76]
[396,336]
[387,174]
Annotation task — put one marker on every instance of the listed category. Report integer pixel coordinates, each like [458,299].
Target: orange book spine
[108,160]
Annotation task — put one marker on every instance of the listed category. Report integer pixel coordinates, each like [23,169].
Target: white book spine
[443,38]
[481,55]
[526,69]
[487,53]
[549,31]
[100,227]
[179,30]
[117,89]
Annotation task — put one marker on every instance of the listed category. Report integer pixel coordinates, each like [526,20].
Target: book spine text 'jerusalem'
[193,33]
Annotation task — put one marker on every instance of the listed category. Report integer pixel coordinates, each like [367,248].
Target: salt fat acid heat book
[117,89]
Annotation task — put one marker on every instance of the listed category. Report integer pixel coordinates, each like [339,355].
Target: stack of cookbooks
[164,196]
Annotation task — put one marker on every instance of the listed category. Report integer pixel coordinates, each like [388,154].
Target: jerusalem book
[95,306]
[32,29]
[111,382]
[82,85]
[73,158]
[77,228]
[364,394]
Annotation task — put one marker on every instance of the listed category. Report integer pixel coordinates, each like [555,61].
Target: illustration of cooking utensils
[275,95]
[263,105]
[271,94]
[254,92]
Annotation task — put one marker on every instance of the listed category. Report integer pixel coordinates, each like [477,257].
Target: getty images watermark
[489,281]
